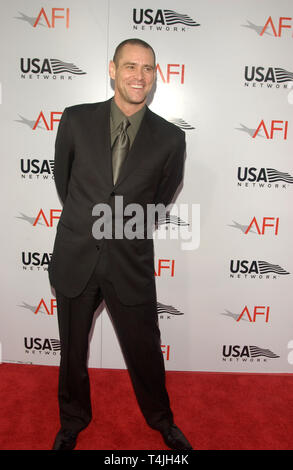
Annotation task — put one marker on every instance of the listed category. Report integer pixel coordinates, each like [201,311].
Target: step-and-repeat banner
[223,261]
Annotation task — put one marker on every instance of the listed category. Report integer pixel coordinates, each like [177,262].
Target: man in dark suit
[116,148]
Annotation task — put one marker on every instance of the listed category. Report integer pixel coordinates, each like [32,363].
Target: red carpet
[215,411]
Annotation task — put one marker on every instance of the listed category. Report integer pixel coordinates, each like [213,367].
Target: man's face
[134,76]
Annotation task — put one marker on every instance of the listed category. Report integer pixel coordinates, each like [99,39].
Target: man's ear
[112,70]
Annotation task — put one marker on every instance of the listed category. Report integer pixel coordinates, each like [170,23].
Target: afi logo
[51,17]
[262,226]
[168,264]
[170,71]
[257,310]
[54,214]
[49,309]
[278,26]
[166,351]
[49,122]
[272,127]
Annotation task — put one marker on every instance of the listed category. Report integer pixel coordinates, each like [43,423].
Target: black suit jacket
[83,176]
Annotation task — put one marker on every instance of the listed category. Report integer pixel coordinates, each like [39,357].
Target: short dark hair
[134,42]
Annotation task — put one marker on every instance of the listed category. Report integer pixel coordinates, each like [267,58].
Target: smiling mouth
[137,87]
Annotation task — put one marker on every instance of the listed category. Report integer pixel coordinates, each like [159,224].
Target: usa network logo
[42,346]
[36,169]
[263,178]
[237,353]
[35,261]
[255,269]
[48,69]
[161,20]
[267,77]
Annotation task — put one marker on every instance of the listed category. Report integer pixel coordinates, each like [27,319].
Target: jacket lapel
[101,123]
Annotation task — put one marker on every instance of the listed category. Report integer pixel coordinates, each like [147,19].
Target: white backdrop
[224,76]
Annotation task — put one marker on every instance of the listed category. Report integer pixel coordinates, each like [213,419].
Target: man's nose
[139,73]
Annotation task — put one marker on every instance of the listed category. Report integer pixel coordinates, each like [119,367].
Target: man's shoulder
[165,127]
[86,108]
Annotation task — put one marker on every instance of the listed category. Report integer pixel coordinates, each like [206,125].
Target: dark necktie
[120,149]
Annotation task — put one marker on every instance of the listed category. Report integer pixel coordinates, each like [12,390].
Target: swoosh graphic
[171,219]
[52,165]
[275,175]
[283,75]
[55,343]
[255,351]
[60,67]
[265,267]
[169,309]
[181,123]
[172,17]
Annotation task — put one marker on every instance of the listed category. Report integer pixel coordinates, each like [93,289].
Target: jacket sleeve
[64,154]
[172,173]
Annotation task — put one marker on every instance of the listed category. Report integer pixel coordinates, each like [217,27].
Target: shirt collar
[117,116]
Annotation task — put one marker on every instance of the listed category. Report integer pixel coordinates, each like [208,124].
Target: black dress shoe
[65,440]
[175,439]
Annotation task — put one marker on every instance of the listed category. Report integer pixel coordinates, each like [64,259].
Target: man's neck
[128,108]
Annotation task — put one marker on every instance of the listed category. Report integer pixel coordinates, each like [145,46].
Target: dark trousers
[139,337]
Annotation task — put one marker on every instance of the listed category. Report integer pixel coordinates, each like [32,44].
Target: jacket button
[98,247]
[112,193]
